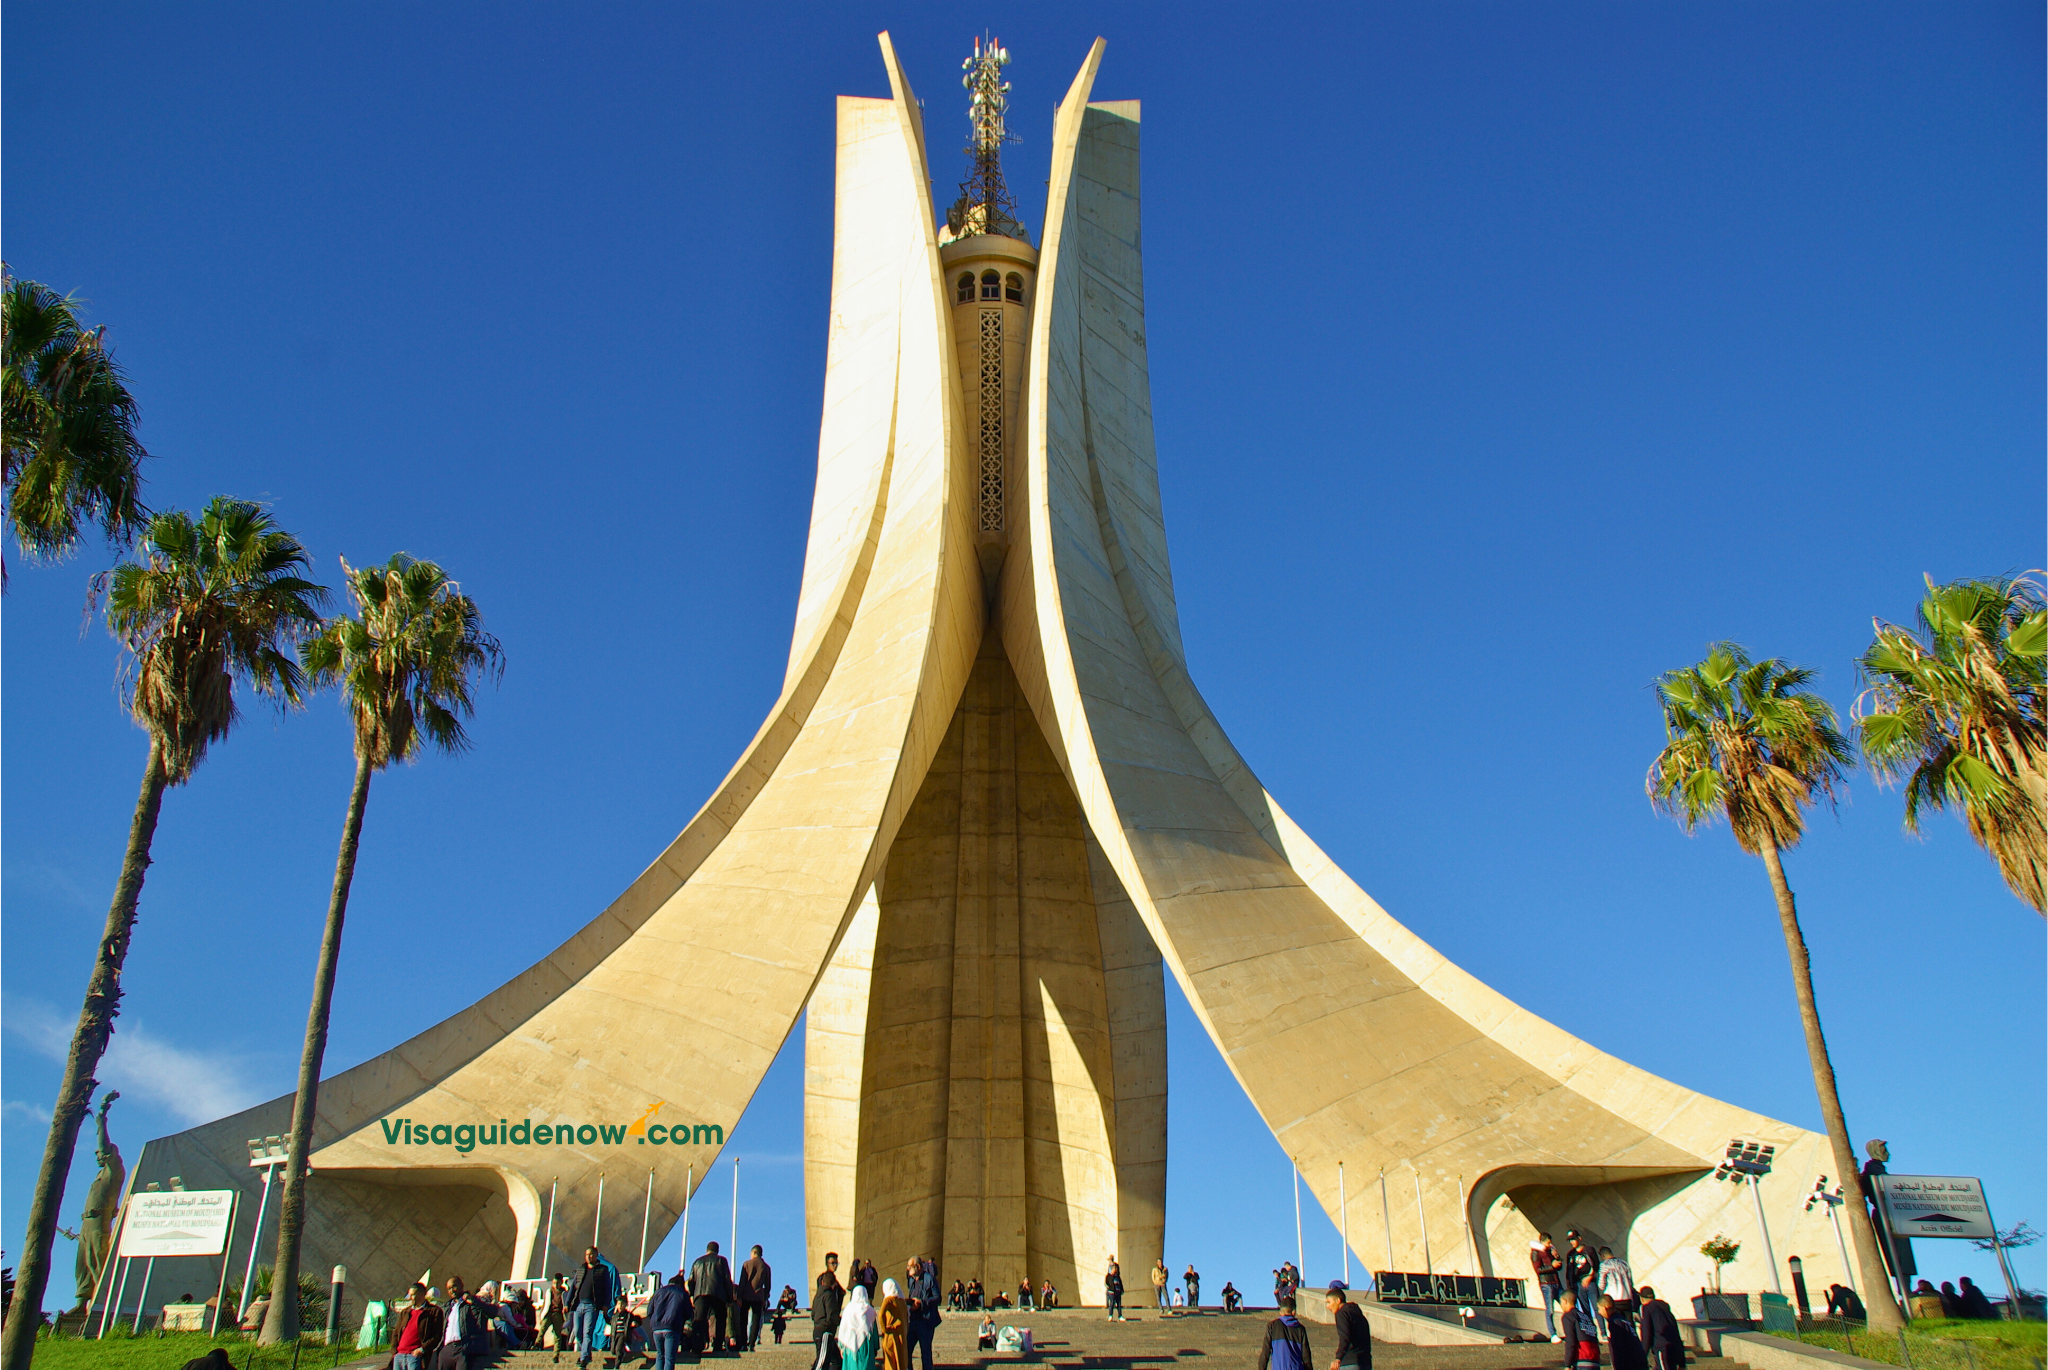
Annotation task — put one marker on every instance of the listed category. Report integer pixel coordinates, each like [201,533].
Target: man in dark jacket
[1663,1340]
[1580,1266]
[1624,1350]
[921,1287]
[826,1301]
[418,1341]
[1287,1333]
[590,1302]
[465,1336]
[668,1320]
[757,1286]
[1354,1333]
[710,1296]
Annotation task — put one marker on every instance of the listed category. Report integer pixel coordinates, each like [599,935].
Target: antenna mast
[985,205]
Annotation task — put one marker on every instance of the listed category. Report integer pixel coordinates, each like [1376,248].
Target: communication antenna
[985,205]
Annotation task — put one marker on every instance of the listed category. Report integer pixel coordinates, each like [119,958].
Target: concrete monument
[988,813]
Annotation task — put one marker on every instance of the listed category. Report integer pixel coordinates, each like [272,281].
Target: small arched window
[964,292]
[1013,288]
[991,286]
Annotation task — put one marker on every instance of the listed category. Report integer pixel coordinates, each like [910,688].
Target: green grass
[1937,1345]
[119,1351]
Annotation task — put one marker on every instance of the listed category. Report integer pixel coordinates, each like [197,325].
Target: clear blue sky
[1503,355]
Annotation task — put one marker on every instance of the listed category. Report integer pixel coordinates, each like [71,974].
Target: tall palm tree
[1749,742]
[405,661]
[1955,710]
[70,455]
[212,602]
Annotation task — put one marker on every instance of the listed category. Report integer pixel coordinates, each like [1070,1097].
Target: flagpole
[1387,1217]
[734,1251]
[547,1253]
[1299,1257]
[689,1187]
[597,1222]
[646,1217]
[1344,1214]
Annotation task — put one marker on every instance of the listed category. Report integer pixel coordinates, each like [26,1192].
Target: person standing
[826,1301]
[419,1333]
[1543,1259]
[590,1302]
[710,1297]
[1624,1349]
[922,1290]
[1193,1281]
[857,1331]
[668,1319]
[1159,1280]
[1286,1344]
[892,1326]
[465,1337]
[1662,1340]
[1354,1333]
[1580,1266]
[757,1279]
[552,1319]
[1113,1291]
[1617,1284]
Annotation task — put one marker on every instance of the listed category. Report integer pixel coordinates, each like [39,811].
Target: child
[1581,1337]
[1624,1347]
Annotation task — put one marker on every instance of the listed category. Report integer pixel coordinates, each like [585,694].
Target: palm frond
[1953,710]
[1747,741]
[212,600]
[405,659]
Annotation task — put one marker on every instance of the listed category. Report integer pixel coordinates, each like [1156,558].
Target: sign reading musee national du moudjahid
[181,1222]
[1935,1205]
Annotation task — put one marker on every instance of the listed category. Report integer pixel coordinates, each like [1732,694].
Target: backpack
[1286,1355]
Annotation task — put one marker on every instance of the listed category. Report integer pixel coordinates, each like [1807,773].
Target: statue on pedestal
[102,1205]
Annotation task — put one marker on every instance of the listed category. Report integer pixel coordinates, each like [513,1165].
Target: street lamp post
[265,1154]
[1747,1163]
[1833,1201]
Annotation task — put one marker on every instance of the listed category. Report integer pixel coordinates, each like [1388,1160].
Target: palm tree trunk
[1877,1296]
[74,1095]
[281,1320]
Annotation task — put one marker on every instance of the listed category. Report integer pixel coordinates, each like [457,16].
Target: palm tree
[404,662]
[1956,711]
[70,455]
[1749,742]
[213,601]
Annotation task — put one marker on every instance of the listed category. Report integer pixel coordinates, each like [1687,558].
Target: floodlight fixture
[267,1151]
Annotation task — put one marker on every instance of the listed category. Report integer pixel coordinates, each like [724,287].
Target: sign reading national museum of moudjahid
[1935,1205]
[181,1222]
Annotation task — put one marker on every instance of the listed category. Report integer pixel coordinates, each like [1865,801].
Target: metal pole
[113,1309]
[1770,1256]
[1891,1239]
[226,1259]
[733,1248]
[1387,1217]
[1299,1257]
[1344,1216]
[597,1222]
[547,1253]
[689,1188]
[142,1298]
[255,1241]
[646,1217]
[1848,1270]
[1428,1268]
[1465,1213]
[113,1259]
[2012,1290]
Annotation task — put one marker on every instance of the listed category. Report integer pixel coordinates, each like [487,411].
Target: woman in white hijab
[857,1331]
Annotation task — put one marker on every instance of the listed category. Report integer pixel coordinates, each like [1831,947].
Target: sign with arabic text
[1935,1205]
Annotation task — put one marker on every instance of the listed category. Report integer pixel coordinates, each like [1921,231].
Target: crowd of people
[1590,1297]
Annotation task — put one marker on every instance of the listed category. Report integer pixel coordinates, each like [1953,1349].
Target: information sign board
[179,1222]
[1935,1205]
